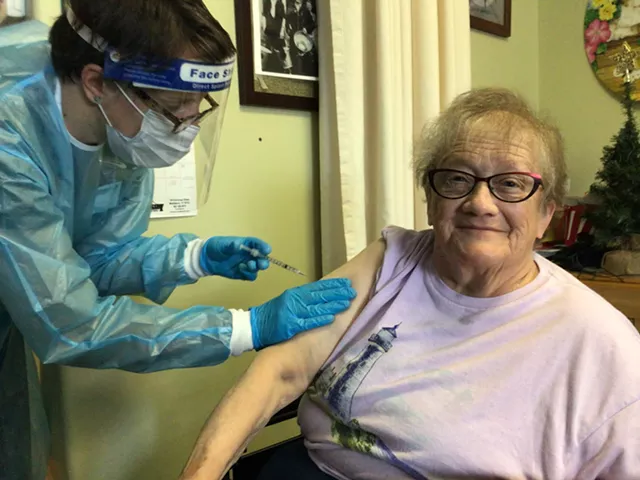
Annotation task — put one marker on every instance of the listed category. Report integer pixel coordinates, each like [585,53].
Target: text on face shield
[205,74]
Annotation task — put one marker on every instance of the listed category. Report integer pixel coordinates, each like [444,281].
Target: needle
[256,253]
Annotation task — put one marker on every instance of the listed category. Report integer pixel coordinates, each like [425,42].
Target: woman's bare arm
[276,377]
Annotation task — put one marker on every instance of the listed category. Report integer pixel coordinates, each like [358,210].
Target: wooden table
[622,292]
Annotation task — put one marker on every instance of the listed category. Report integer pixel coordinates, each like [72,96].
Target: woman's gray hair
[509,114]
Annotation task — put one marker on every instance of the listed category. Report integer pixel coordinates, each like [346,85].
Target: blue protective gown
[71,246]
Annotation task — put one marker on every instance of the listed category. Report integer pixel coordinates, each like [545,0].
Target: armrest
[286,413]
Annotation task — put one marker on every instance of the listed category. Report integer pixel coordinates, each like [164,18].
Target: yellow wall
[510,62]
[545,60]
[45,10]
[586,113]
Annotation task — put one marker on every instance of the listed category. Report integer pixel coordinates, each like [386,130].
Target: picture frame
[491,16]
[274,70]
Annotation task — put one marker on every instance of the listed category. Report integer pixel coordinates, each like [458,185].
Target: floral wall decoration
[612,39]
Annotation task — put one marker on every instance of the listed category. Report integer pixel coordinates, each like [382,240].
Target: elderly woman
[465,355]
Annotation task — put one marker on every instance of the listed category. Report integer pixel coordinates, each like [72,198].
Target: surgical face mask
[155,145]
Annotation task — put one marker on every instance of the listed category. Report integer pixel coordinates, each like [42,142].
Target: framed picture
[491,16]
[277,53]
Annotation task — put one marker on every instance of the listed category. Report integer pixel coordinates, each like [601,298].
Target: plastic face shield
[185,92]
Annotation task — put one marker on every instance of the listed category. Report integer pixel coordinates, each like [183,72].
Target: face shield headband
[171,74]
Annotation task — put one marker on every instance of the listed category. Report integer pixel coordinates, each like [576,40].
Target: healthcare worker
[120,88]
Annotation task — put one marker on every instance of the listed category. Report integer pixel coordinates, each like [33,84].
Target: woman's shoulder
[586,309]
[402,242]
[599,340]
[405,250]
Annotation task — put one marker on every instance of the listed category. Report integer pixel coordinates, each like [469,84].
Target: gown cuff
[192,265]
[241,334]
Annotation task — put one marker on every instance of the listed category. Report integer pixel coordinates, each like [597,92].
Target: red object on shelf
[574,222]
[572,216]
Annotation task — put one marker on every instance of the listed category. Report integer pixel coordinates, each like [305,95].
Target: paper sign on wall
[175,192]
[16,8]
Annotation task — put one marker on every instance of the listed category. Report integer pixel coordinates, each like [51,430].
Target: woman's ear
[547,209]
[431,209]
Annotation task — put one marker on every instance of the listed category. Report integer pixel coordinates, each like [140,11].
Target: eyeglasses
[179,124]
[510,187]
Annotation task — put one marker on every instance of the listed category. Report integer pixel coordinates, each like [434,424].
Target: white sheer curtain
[386,68]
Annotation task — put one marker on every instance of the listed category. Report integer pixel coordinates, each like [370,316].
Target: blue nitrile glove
[299,309]
[223,256]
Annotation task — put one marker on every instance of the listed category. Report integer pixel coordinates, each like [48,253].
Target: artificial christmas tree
[616,220]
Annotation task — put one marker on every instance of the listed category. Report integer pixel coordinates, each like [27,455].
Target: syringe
[256,253]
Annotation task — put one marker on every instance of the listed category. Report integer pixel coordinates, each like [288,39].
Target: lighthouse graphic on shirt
[340,389]
[335,389]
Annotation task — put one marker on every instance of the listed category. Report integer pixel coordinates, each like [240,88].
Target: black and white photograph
[285,38]
[491,16]
[490,10]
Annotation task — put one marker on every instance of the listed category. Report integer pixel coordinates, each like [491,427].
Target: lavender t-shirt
[541,383]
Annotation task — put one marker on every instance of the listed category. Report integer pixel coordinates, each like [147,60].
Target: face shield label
[177,74]
[206,74]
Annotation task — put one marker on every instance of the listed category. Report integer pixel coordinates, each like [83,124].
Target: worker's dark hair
[159,29]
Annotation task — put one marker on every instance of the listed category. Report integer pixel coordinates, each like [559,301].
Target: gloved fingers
[247,273]
[262,263]
[263,247]
[250,266]
[320,321]
[249,276]
[327,284]
[310,324]
[331,308]
[332,295]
